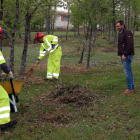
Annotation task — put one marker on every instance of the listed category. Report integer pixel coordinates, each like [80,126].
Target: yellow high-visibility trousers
[4,106]
[53,66]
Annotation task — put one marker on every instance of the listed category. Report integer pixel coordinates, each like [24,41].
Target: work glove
[10,75]
[53,46]
[37,60]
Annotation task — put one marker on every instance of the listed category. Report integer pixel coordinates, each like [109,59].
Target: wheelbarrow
[12,87]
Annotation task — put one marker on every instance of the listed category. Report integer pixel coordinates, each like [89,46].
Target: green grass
[96,109]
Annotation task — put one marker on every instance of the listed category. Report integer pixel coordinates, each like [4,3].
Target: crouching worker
[5,121]
[49,43]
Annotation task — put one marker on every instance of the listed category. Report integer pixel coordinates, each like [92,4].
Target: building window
[64,18]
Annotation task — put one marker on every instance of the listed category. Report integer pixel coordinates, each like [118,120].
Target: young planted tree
[50,12]
[11,65]
[30,8]
[68,3]
[11,20]
[86,12]
[133,11]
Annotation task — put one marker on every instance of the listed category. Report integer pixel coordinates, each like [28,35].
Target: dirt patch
[108,50]
[75,68]
[109,63]
[64,104]
[41,66]
[30,78]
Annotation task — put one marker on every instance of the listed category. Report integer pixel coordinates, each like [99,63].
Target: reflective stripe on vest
[50,46]
[55,38]
[1,58]
[42,53]
[54,48]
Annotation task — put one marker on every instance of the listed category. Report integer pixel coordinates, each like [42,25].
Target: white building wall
[61,24]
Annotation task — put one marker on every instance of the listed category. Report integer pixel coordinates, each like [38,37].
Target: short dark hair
[121,22]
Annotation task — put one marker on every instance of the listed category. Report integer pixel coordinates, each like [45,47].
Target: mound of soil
[64,104]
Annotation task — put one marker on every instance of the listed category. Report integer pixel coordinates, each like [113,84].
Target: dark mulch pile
[64,104]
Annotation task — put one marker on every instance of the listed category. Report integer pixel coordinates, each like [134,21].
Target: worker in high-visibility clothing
[49,43]
[5,121]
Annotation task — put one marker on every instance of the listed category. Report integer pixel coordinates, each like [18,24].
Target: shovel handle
[11,81]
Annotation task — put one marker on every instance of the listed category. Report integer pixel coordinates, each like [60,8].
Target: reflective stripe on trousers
[49,76]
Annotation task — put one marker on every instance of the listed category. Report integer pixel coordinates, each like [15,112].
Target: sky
[61,9]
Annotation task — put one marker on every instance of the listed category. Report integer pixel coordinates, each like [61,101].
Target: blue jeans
[128,72]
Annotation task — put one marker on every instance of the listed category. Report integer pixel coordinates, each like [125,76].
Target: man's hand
[10,75]
[123,57]
[37,60]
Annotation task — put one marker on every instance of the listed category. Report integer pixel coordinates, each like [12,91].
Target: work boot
[10,124]
[49,80]
[128,92]
[54,80]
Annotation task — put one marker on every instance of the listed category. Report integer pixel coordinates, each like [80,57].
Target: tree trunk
[84,46]
[115,39]
[1,11]
[89,51]
[24,54]
[94,38]
[128,18]
[53,27]
[131,23]
[125,17]
[114,24]
[112,29]
[40,28]
[84,29]
[134,25]
[48,21]
[1,45]
[11,65]
[74,29]
[67,26]
[109,30]
[29,33]
[101,29]
[28,17]
[19,35]
[78,31]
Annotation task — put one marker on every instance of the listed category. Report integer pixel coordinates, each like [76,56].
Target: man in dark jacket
[126,52]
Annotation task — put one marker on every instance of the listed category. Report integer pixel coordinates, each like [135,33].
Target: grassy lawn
[85,104]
